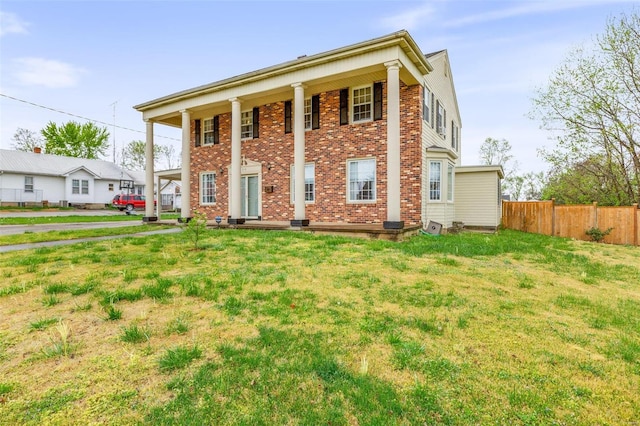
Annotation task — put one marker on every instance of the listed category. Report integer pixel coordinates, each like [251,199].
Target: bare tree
[26,140]
[592,102]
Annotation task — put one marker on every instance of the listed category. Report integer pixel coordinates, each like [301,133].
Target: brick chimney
[37,150]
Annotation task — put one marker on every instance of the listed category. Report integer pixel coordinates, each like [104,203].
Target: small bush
[597,234]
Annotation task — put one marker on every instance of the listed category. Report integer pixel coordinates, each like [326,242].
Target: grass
[291,328]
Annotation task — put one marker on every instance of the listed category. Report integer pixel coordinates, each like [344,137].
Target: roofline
[482,168]
[302,62]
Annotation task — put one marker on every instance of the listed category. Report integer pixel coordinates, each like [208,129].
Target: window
[208,132]
[110,187]
[426,99]
[246,123]
[362,180]
[75,186]
[441,120]
[362,104]
[309,183]
[435,180]
[85,187]
[207,188]
[28,184]
[450,182]
[307,114]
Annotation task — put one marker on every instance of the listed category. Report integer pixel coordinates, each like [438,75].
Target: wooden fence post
[553,217]
[595,214]
[635,224]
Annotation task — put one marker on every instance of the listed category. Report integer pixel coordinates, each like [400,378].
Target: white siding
[477,198]
[12,186]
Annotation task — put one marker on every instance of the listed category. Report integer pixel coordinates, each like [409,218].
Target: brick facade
[329,147]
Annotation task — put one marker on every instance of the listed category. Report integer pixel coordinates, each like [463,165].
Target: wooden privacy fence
[545,217]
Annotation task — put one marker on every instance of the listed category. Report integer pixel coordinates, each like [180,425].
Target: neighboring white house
[30,177]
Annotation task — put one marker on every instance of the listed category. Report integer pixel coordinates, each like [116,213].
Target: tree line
[73,139]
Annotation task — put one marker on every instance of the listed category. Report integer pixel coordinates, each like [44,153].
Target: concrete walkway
[16,247]
[21,229]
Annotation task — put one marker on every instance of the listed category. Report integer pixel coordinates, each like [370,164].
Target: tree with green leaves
[592,103]
[73,139]
[26,140]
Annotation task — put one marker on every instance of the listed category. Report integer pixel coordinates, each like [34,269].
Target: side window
[28,184]
[435,180]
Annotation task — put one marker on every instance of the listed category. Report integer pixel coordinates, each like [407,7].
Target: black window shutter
[344,106]
[256,122]
[377,101]
[425,104]
[315,112]
[197,131]
[444,122]
[433,109]
[216,129]
[287,116]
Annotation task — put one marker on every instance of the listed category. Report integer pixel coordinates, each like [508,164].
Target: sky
[94,60]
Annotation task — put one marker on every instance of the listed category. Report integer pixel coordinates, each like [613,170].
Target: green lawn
[266,327]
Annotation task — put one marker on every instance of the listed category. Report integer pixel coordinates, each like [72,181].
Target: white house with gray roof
[29,177]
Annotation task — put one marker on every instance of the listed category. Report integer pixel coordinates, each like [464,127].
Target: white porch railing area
[13,195]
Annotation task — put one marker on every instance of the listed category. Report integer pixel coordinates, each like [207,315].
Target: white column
[298,154]
[185,200]
[235,202]
[148,178]
[393,145]
[159,205]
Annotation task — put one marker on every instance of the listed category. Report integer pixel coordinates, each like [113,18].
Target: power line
[84,118]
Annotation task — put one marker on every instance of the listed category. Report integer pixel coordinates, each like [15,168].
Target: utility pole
[113,133]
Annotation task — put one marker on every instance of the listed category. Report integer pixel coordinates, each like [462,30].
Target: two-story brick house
[367,133]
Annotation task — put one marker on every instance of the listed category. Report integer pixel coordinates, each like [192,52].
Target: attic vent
[302,56]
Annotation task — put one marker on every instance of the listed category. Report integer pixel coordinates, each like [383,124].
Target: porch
[357,230]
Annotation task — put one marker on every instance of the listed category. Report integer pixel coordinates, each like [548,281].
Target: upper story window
[441,120]
[207,132]
[309,183]
[28,184]
[435,180]
[246,125]
[362,103]
[426,104]
[307,114]
[362,180]
[207,188]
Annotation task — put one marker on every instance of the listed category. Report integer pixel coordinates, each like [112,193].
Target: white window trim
[375,181]
[204,131]
[451,184]
[215,189]
[426,102]
[439,199]
[351,104]
[292,180]
[26,185]
[74,187]
[310,115]
[250,114]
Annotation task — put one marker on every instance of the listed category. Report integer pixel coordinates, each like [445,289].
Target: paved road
[56,212]
[21,229]
[4,249]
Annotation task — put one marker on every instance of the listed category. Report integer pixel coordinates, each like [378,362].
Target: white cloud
[46,72]
[11,23]
[521,9]
[409,19]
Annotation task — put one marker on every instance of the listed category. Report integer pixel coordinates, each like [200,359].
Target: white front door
[250,197]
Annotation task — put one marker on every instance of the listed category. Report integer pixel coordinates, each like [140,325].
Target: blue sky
[81,57]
